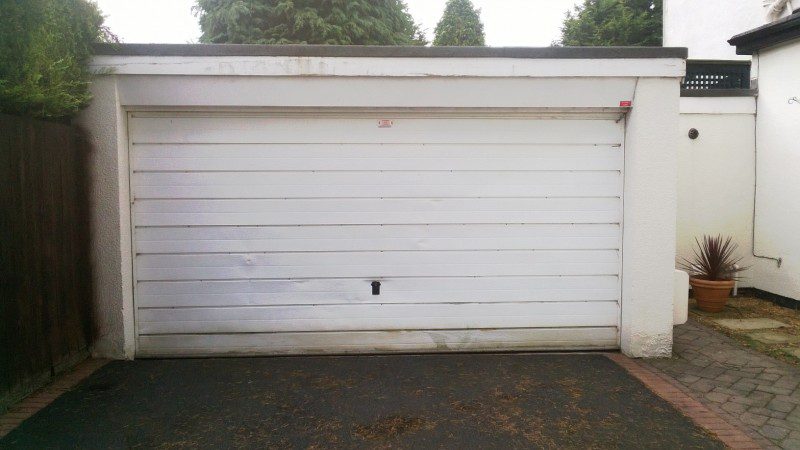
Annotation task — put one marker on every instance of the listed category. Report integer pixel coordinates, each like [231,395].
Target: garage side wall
[649,219]
[110,250]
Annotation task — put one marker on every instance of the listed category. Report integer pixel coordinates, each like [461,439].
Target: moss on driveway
[748,308]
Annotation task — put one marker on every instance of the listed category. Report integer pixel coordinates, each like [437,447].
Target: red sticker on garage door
[625,104]
[385,123]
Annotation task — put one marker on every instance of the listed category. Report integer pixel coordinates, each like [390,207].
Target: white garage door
[263,234]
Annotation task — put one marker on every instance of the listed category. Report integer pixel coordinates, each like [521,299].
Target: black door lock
[376,288]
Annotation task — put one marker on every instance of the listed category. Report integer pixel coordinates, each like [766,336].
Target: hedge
[45,46]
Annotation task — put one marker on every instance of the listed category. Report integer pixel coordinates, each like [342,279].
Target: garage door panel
[376,317]
[376,205]
[303,153]
[586,338]
[531,284]
[360,294]
[370,179]
[231,185]
[389,218]
[259,233]
[376,271]
[386,191]
[251,292]
[378,258]
[235,239]
[223,164]
[441,164]
[377,211]
[379,232]
[274,158]
[377,264]
[249,130]
[387,244]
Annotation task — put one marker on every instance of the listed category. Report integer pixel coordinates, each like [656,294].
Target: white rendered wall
[649,219]
[704,26]
[104,122]
[715,172]
[778,204]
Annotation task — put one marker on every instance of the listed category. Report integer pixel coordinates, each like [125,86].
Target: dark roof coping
[389,51]
[721,62]
[771,34]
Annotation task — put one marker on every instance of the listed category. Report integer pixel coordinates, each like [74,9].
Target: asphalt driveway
[430,401]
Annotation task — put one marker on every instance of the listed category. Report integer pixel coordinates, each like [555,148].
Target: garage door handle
[376,288]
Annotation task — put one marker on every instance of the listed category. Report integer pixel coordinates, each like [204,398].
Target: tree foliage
[44,49]
[460,25]
[613,22]
[336,22]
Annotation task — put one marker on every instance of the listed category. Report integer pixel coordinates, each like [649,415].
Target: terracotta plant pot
[711,296]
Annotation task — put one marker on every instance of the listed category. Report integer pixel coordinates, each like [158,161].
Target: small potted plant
[713,271]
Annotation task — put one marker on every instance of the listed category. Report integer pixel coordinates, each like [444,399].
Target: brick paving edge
[40,399]
[730,434]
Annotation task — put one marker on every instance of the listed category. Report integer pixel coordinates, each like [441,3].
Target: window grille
[707,75]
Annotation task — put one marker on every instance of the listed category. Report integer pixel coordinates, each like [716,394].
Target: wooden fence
[45,278]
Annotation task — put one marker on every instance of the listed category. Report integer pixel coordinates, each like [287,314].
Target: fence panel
[45,283]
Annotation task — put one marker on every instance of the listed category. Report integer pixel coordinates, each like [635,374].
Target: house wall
[715,172]
[567,86]
[778,205]
[705,26]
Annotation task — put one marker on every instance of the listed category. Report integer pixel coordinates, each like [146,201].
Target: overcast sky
[533,23]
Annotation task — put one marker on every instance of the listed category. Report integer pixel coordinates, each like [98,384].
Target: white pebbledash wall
[704,26]
[552,85]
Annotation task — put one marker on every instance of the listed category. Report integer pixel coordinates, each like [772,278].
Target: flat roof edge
[359,51]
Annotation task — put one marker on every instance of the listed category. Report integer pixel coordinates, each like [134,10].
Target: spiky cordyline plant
[714,260]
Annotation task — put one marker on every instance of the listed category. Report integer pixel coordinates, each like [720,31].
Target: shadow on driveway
[426,401]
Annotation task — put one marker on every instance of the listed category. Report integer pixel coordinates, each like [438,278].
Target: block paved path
[746,388]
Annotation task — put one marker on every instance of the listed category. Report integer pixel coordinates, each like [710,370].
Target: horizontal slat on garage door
[588,338]
[275,319]
[376,211]
[278,130]
[377,264]
[343,184]
[238,239]
[314,152]
[251,292]
[367,157]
